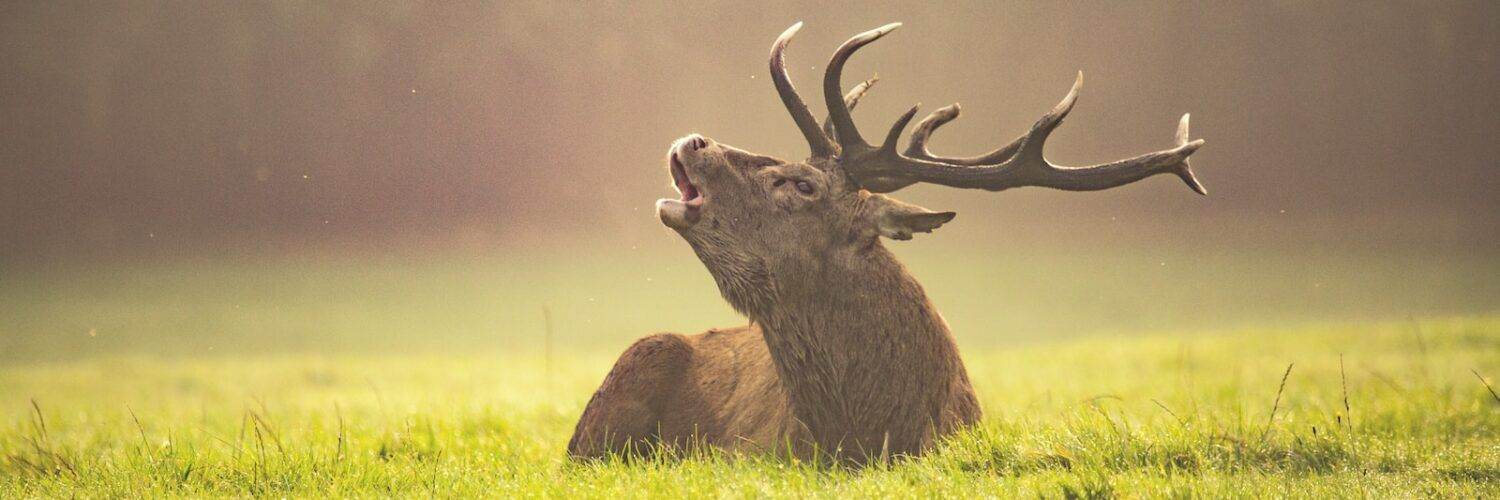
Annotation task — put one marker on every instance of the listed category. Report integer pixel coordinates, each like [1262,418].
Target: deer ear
[898,220]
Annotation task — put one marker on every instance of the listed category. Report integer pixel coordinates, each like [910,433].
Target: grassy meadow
[1141,374]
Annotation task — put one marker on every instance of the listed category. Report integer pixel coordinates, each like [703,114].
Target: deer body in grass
[844,355]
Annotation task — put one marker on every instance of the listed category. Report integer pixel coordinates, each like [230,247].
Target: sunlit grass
[1392,409]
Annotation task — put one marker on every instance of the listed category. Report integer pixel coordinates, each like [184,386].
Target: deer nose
[695,142]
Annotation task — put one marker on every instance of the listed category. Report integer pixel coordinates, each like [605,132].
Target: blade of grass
[1486,385]
[1277,404]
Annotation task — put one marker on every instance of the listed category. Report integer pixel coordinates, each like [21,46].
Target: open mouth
[683,213]
[690,195]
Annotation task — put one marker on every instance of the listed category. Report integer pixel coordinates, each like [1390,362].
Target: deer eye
[804,187]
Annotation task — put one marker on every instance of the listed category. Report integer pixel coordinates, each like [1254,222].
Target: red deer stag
[844,355]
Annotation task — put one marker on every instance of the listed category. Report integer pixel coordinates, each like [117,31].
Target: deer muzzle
[683,212]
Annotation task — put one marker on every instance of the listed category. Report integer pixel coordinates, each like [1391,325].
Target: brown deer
[844,355]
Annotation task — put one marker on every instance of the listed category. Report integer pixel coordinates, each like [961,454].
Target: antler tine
[925,128]
[846,133]
[851,99]
[1186,172]
[816,141]
[918,147]
[1032,143]
[1040,131]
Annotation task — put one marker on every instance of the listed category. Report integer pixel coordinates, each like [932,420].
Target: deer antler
[818,142]
[1020,163]
[851,99]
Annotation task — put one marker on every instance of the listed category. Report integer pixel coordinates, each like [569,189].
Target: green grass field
[1384,410]
[413,377]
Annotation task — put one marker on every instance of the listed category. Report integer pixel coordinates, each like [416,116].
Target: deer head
[745,213]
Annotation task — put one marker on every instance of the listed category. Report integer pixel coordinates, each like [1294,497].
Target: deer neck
[862,352]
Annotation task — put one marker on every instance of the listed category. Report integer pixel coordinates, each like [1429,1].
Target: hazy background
[230,177]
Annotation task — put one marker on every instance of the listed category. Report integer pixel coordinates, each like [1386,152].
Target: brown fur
[716,388]
[847,354]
